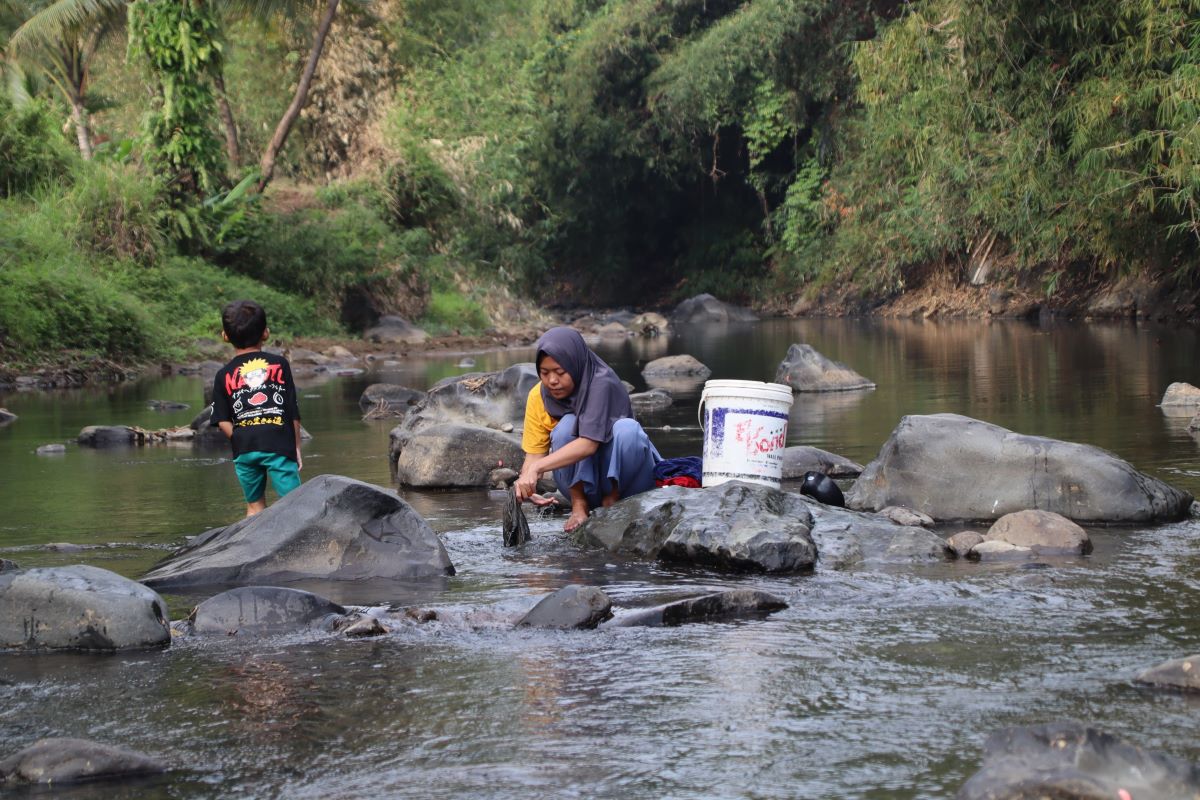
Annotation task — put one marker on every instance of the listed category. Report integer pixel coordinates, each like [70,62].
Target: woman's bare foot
[576,519]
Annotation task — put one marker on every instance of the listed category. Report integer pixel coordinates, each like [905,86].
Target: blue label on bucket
[761,441]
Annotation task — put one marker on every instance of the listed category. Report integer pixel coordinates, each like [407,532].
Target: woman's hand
[526,483]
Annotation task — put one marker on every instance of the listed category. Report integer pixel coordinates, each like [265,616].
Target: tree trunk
[233,149]
[267,165]
[82,134]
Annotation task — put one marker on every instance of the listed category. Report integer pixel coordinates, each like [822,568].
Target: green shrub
[450,311]
[32,148]
[116,212]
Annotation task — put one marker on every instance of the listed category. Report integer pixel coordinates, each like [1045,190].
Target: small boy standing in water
[254,404]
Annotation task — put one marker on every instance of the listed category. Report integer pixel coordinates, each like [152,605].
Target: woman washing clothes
[579,424]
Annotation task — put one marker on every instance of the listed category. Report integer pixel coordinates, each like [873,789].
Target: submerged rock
[380,400]
[79,608]
[107,436]
[55,761]
[51,450]
[263,609]
[953,467]
[1070,761]
[650,402]
[7,417]
[571,607]
[332,527]
[716,607]
[1179,673]
[800,459]
[806,370]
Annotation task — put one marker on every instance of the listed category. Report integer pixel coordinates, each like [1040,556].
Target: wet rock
[846,539]
[963,541]
[340,353]
[906,516]
[800,459]
[51,449]
[717,607]
[651,402]
[8,565]
[332,528]
[454,455]
[572,607]
[56,761]
[107,436]
[649,324]
[207,434]
[6,417]
[735,526]
[998,550]
[477,398]
[1070,761]
[1044,532]
[263,609]
[79,608]
[821,488]
[1182,674]
[676,367]
[1194,425]
[704,308]
[502,477]
[806,370]
[380,400]
[395,330]
[612,330]
[953,467]
[301,356]
[365,627]
[1180,400]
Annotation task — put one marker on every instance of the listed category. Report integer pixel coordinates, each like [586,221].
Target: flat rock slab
[331,528]
[806,370]
[79,608]
[572,607]
[1069,761]
[716,607]
[56,761]
[264,609]
[1182,674]
[952,467]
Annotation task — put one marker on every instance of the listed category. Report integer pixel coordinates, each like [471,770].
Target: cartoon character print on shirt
[257,392]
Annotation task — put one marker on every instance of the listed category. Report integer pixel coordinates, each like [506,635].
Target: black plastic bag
[516,527]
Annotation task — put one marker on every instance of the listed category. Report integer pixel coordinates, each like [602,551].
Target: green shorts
[253,468]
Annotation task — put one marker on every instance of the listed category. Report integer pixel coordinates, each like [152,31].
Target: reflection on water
[873,683]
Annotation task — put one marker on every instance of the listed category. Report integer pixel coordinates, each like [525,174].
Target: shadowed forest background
[460,162]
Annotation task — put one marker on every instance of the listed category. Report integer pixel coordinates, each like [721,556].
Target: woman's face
[556,379]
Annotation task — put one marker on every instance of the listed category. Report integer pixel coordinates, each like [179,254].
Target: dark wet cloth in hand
[516,527]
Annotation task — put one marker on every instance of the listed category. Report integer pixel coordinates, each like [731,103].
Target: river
[874,683]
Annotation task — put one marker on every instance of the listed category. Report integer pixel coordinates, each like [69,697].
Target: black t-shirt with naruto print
[256,393]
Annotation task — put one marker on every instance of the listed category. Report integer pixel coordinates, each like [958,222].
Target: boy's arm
[226,428]
[299,459]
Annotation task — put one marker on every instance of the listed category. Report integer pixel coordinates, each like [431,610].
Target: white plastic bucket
[745,431]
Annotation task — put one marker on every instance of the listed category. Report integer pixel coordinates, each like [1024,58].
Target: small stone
[51,449]
[367,626]
[962,542]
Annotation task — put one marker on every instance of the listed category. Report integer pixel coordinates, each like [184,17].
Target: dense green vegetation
[577,151]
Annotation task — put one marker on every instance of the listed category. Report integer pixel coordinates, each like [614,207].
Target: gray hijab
[599,398]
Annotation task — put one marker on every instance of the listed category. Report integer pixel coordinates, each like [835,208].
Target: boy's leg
[253,478]
[284,473]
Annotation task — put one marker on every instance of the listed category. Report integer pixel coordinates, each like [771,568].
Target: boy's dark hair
[244,322]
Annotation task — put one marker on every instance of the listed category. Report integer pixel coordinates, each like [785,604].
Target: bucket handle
[700,409]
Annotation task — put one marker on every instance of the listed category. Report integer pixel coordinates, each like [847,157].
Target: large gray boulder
[676,367]
[453,455]
[331,528]
[735,526]
[715,607]
[392,329]
[847,539]
[479,398]
[107,436]
[800,459]
[388,399]
[56,761]
[952,467]
[704,308]
[1070,761]
[263,609]
[806,370]
[79,608]
[1180,400]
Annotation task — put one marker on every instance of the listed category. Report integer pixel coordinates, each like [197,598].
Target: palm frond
[50,23]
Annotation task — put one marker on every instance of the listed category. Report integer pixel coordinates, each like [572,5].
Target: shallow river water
[874,683]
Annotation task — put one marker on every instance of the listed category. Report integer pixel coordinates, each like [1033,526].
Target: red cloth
[679,480]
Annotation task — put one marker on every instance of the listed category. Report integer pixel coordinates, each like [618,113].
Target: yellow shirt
[535,439]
